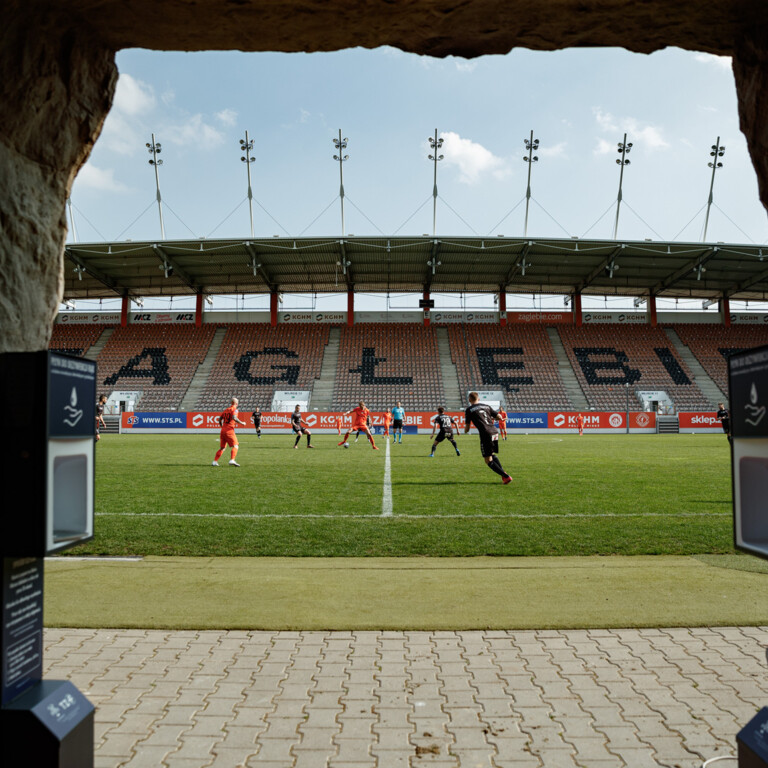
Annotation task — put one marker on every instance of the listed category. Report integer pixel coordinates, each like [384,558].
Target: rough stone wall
[56,86]
[57,79]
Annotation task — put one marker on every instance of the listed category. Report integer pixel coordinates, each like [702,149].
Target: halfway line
[386,499]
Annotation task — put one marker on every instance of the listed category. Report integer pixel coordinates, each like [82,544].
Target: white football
[346,445]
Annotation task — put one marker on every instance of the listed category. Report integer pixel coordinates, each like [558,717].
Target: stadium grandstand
[538,361]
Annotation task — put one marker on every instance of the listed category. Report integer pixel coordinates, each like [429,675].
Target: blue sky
[673,105]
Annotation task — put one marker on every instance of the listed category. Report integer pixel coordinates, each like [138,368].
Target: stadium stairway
[200,379]
[572,387]
[93,352]
[322,392]
[708,388]
[453,398]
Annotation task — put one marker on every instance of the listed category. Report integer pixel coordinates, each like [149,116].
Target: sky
[673,105]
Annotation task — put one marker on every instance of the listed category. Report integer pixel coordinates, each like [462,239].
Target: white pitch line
[405,516]
[386,498]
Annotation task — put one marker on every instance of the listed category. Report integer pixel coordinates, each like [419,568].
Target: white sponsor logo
[197,419]
[311,420]
[755,411]
[74,414]
[559,420]
[643,420]
[615,420]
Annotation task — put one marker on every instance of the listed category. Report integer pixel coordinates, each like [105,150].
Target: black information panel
[753,741]
[22,652]
[748,379]
[71,396]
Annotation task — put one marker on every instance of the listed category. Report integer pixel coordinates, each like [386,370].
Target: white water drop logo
[755,412]
[73,413]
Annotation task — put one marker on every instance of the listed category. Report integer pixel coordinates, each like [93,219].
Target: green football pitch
[600,494]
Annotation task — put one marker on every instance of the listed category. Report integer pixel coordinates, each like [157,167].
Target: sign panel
[338,318]
[131,420]
[549,318]
[626,318]
[748,378]
[71,396]
[592,420]
[748,386]
[161,317]
[465,317]
[95,318]
[22,656]
[698,419]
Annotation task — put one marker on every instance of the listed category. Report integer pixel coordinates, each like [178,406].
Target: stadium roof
[414,264]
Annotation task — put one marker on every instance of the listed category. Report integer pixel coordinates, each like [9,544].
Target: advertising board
[325,422]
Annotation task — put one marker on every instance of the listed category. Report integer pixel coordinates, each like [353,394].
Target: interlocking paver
[598,698]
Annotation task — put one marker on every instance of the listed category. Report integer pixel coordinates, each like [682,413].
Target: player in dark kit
[100,416]
[483,416]
[300,428]
[724,417]
[445,423]
[256,416]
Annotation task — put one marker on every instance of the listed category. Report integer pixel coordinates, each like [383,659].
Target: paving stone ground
[494,699]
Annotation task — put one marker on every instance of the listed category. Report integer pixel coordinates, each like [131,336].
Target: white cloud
[556,150]
[465,65]
[722,62]
[194,131]
[472,159]
[304,115]
[227,116]
[645,136]
[103,179]
[133,97]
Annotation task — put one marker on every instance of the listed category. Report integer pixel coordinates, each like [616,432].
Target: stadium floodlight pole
[154,149]
[717,151]
[531,145]
[340,145]
[72,219]
[246,146]
[623,150]
[434,145]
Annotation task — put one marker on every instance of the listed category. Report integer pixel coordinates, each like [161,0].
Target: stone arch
[58,74]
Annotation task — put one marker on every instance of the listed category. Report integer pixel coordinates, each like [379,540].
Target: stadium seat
[517,359]
[606,357]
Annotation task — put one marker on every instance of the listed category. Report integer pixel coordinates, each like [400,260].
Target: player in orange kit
[580,422]
[360,416]
[502,422]
[387,422]
[227,437]
[338,423]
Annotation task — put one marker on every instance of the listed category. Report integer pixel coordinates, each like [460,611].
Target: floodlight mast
[531,145]
[246,146]
[434,145]
[154,149]
[72,219]
[341,144]
[717,151]
[623,150]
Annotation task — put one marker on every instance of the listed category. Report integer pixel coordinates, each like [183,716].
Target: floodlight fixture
[435,144]
[624,148]
[717,151]
[640,300]
[79,270]
[531,145]
[340,144]
[154,149]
